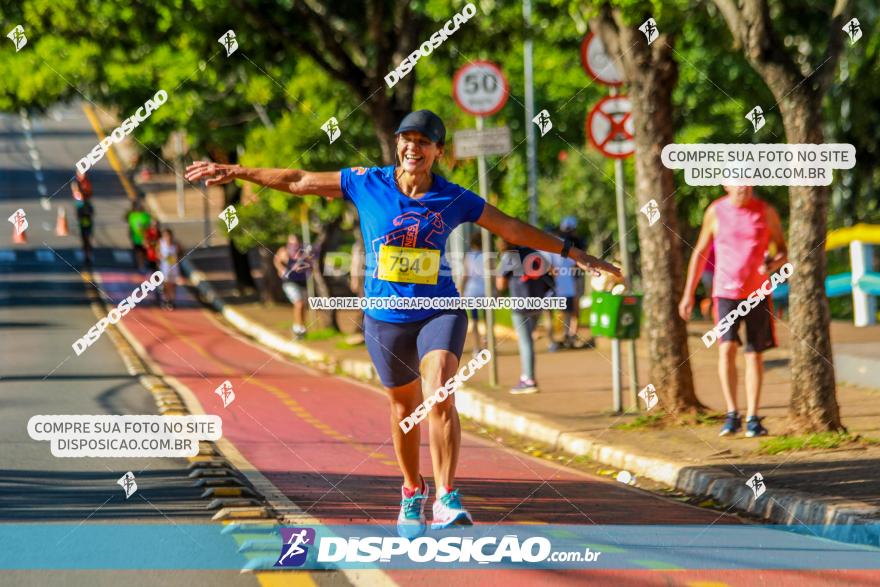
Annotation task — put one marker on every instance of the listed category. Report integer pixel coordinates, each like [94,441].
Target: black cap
[426,122]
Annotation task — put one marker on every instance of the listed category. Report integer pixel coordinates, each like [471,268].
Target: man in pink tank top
[741,226]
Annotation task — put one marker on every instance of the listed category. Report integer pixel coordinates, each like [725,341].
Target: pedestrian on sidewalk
[85,214]
[169,258]
[84,183]
[407,213]
[741,227]
[526,273]
[152,236]
[138,221]
[570,284]
[294,264]
[475,286]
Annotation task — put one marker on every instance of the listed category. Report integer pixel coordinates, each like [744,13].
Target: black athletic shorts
[397,349]
[760,331]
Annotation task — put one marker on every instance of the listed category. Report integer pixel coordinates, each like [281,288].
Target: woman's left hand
[594,265]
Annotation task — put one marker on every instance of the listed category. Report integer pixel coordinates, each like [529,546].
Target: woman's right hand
[212,173]
[686,307]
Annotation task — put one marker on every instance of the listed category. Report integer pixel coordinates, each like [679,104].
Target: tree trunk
[270,283]
[813,406]
[241,267]
[651,73]
[328,232]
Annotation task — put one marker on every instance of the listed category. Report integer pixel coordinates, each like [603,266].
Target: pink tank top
[741,239]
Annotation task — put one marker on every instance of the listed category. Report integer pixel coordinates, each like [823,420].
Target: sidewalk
[573,413]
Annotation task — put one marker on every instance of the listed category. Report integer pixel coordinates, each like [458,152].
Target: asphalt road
[45,308]
[322,441]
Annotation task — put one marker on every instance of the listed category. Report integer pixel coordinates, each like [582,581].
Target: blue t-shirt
[391,218]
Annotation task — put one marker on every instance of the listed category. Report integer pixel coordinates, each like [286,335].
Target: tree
[651,73]
[356,43]
[799,94]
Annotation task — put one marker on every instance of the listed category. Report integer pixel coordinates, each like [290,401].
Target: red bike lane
[324,441]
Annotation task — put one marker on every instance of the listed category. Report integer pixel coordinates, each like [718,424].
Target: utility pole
[531,153]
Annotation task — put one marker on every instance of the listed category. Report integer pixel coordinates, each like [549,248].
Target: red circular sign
[596,62]
[480,88]
[610,127]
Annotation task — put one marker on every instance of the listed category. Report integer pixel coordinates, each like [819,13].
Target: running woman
[169,257]
[741,226]
[406,215]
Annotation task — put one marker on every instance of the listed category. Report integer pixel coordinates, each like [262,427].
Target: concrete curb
[777,506]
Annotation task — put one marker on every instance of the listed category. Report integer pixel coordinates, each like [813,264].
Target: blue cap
[425,122]
[568,223]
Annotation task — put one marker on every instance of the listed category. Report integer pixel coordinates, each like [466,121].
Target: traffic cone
[61,224]
[19,238]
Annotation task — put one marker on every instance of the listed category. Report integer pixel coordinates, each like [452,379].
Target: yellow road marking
[111,154]
[282,396]
[286,579]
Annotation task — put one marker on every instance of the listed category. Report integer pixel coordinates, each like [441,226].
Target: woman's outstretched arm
[295,181]
[517,232]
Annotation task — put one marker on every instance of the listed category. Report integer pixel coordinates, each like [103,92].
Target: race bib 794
[409,264]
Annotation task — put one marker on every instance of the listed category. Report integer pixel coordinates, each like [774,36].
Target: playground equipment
[861,281]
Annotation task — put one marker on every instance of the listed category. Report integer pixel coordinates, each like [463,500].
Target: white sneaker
[411,521]
[449,512]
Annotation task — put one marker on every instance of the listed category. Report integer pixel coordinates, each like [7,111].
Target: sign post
[480,89]
[610,128]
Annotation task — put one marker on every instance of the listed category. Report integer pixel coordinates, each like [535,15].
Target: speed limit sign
[479,88]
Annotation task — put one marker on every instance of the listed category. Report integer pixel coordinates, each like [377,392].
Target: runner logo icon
[19,39]
[294,550]
[229,42]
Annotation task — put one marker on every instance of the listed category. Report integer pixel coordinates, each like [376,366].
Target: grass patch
[642,422]
[709,418]
[819,441]
[321,334]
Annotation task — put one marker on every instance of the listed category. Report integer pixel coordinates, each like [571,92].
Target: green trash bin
[615,316]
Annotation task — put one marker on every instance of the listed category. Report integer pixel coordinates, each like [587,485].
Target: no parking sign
[610,127]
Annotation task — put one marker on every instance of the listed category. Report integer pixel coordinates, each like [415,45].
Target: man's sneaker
[733,423]
[754,427]
[448,512]
[524,386]
[411,521]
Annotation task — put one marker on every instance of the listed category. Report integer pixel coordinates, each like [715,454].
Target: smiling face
[739,194]
[416,152]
